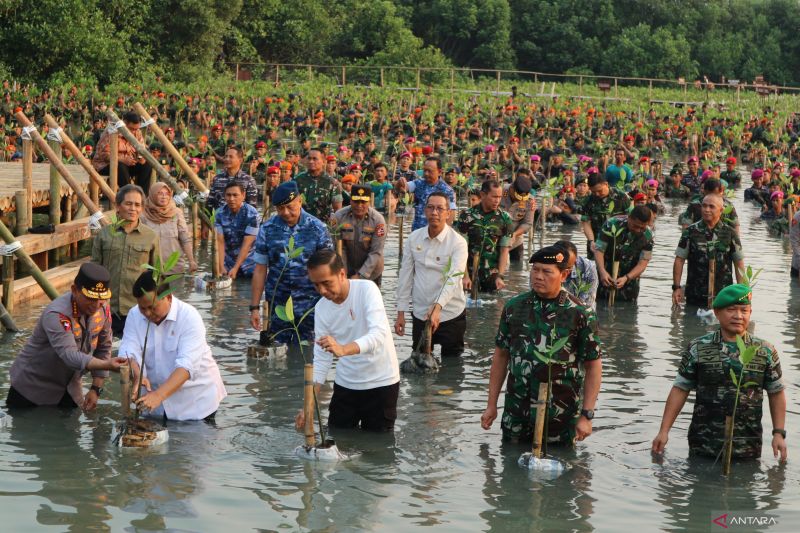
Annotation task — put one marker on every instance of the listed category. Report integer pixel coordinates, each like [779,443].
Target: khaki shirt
[362,242]
[56,354]
[123,254]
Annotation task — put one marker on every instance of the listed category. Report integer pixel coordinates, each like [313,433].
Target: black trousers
[15,400]
[138,174]
[449,335]
[371,409]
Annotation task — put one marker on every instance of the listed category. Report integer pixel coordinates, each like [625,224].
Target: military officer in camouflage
[521,206]
[603,204]
[632,247]
[708,238]
[530,324]
[363,233]
[706,366]
[322,195]
[278,276]
[487,229]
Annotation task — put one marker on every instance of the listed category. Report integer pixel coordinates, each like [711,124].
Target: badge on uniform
[65,323]
[380,230]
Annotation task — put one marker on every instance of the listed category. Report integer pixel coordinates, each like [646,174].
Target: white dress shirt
[422,269]
[361,318]
[178,342]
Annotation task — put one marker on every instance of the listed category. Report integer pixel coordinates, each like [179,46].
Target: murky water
[439,469]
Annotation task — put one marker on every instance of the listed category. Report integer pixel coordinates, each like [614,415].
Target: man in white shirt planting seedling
[350,324]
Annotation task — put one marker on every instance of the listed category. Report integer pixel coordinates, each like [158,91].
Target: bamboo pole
[113,161]
[8,282]
[476,257]
[6,320]
[176,155]
[23,222]
[62,169]
[400,228]
[28,263]
[612,294]
[27,177]
[125,387]
[55,184]
[308,404]
[109,192]
[541,415]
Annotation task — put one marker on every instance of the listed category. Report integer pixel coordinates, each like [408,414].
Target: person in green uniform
[709,238]
[603,204]
[529,324]
[322,195]
[632,247]
[488,231]
[706,367]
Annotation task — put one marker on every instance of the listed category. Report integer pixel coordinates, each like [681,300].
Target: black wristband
[781,432]
[98,390]
[254,308]
[675,287]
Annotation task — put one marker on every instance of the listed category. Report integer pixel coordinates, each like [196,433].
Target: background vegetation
[104,41]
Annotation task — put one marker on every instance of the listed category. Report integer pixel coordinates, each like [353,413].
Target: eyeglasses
[435,209]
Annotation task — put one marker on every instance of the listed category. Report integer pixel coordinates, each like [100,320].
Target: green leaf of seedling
[748,355]
[750,384]
[740,345]
[733,377]
[558,346]
[145,266]
[172,260]
[304,343]
[280,312]
[290,310]
[165,294]
[170,279]
[297,252]
[542,357]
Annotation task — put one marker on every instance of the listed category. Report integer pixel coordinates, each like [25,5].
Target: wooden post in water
[55,184]
[538,427]
[6,320]
[8,282]
[27,177]
[125,389]
[26,261]
[727,451]
[23,222]
[476,257]
[308,404]
[612,294]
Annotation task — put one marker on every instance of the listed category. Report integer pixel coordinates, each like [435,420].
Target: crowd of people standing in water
[475,183]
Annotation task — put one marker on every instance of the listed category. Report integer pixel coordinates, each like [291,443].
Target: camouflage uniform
[319,194]
[529,323]
[597,210]
[732,177]
[693,246]
[216,193]
[273,237]
[705,367]
[234,227]
[629,250]
[680,191]
[486,233]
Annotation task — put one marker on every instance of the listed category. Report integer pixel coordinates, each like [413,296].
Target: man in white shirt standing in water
[350,324]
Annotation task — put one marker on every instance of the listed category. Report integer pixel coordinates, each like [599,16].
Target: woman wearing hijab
[166,219]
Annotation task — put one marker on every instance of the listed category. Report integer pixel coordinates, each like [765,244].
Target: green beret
[736,294]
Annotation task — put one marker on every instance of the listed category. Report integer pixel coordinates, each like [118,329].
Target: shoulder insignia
[380,230]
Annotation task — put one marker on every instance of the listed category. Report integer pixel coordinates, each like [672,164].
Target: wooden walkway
[11,182]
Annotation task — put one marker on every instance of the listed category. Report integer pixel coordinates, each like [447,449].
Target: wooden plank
[27,290]
[11,182]
[66,233]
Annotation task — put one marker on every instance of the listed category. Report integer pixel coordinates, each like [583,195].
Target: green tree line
[103,41]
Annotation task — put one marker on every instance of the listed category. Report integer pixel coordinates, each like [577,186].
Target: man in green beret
[706,366]
[532,326]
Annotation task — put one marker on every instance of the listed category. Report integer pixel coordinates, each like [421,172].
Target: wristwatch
[675,287]
[588,413]
[781,432]
[98,390]
[254,308]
